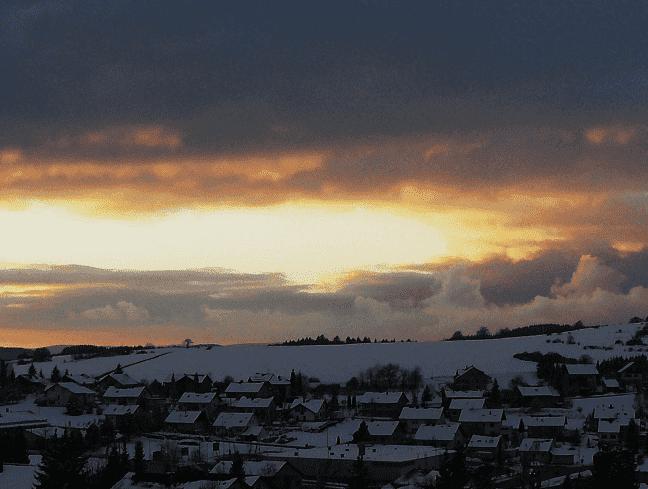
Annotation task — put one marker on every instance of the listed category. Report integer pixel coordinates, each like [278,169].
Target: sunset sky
[253,171]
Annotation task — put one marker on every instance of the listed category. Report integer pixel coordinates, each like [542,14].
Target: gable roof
[461,404]
[314,405]
[79,379]
[555,421]
[382,428]
[462,394]
[614,412]
[469,369]
[380,398]
[479,441]
[581,369]
[481,416]
[246,387]
[421,413]
[192,397]
[233,420]
[133,392]
[535,445]
[72,387]
[611,383]
[122,379]
[440,432]
[542,390]
[184,417]
[258,402]
[117,410]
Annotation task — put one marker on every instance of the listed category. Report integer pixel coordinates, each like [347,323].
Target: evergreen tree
[567,483]
[62,465]
[56,375]
[32,371]
[362,433]
[354,402]
[119,369]
[426,396]
[237,470]
[452,474]
[495,395]
[3,374]
[359,475]
[615,468]
[349,401]
[631,441]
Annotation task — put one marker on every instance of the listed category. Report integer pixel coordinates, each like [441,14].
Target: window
[184,451]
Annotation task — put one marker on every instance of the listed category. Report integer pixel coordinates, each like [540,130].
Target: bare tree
[188,342]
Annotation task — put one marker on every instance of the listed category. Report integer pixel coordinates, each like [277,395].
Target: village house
[186,422]
[449,436]
[631,374]
[264,409]
[458,405]
[197,383]
[545,426]
[612,412]
[412,418]
[313,410]
[207,403]
[611,385]
[80,379]
[612,432]
[382,405]
[119,381]
[484,422]
[448,395]
[536,451]
[65,393]
[236,390]
[26,385]
[485,447]
[470,378]
[280,474]
[580,380]
[385,432]
[539,397]
[123,416]
[512,430]
[233,424]
[133,396]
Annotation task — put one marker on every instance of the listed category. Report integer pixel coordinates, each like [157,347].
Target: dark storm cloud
[232,75]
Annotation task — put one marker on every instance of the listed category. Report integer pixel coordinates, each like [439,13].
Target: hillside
[339,363]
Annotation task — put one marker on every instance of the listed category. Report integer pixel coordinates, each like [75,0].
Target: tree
[615,468]
[359,475]
[452,473]
[483,333]
[41,355]
[238,469]
[56,375]
[3,374]
[567,483]
[62,465]
[32,371]
[458,335]
[495,395]
[362,433]
[119,369]
[188,342]
[631,441]
[426,396]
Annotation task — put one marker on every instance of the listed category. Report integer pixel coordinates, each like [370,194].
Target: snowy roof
[555,421]
[183,417]
[250,468]
[382,428]
[133,392]
[258,402]
[79,379]
[481,415]
[244,387]
[613,412]
[123,379]
[626,366]
[377,453]
[379,398]
[233,420]
[478,441]
[261,377]
[421,413]
[463,394]
[535,445]
[253,431]
[21,419]
[581,369]
[613,426]
[542,390]
[461,404]
[441,432]
[192,397]
[116,410]
[511,421]
[465,370]
[611,383]
[314,405]
[72,387]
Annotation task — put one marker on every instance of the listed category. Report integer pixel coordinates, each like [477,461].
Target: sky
[238,172]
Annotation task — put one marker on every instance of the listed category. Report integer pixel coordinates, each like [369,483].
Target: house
[545,426]
[186,422]
[207,403]
[470,378]
[512,430]
[81,379]
[65,393]
[263,408]
[233,424]
[612,432]
[611,413]
[280,388]
[541,397]
[127,397]
[449,436]
[25,384]
[198,383]
[458,405]
[119,381]
[313,410]
[412,418]
[123,416]
[631,374]
[279,473]
[11,420]
[447,395]
[236,390]
[382,405]
[536,451]
[485,422]
[485,447]
[385,432]
[611,385]
[580,379]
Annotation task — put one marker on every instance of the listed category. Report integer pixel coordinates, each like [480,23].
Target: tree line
[323,340]
[532,330]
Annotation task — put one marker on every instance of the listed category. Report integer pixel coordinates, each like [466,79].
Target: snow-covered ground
[20,476]
[339,363]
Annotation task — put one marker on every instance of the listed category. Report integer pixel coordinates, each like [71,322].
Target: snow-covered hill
[339,363]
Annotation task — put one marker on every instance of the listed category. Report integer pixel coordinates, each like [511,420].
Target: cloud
[122,311]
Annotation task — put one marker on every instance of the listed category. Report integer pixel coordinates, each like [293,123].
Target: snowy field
[339,363]
[20,476]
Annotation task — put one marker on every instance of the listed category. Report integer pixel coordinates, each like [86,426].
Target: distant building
[237,390]
[123,416]
[536,450]
[448,395]
[412,418]
[119,381]
[580,380]
[264,409]
[382,404]
[540,397]
[458,405]
[449,436]
[279,473]
[545,427]
[385,432]
[207,403]
[632,374]
[485,447]
[133,396]
[313,410]
[187,422]
[64,393]
[233,424]
[470,378]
